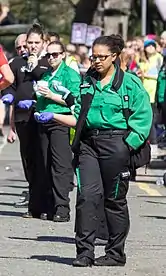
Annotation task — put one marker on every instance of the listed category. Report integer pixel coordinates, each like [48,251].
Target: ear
[64,55]
[114,56]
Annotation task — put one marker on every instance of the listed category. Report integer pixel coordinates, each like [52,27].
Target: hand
[4,10]
[26,104]
[7,99]
[11,138]
[45,92]
[44,117]
[33,59]
[139,73]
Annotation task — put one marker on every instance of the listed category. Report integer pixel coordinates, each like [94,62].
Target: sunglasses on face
[54,55]
[100,57]
[18,48]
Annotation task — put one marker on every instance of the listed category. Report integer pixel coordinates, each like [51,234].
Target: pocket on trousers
[122,185]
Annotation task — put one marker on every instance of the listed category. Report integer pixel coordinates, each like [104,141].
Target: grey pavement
[32,247]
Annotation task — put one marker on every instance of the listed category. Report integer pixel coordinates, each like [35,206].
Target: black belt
[96,132]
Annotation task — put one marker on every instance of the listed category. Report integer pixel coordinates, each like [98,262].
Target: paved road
[43,248]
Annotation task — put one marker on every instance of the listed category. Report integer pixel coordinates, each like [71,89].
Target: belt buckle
[97,132]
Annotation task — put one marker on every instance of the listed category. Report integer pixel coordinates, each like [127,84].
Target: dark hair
[49,34]
[115,43]
[57,43]
[37,29]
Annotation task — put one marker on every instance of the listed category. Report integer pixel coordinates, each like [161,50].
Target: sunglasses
[100,57]
[54,55]
[20,47]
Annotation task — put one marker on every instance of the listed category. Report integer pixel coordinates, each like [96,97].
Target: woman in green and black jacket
[60,80]
[104,151]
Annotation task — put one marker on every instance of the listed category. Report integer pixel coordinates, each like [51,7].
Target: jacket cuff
[133,140]
[69,100]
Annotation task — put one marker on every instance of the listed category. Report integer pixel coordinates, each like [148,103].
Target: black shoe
[83,262]
[60,218]
[107,261]
[27,215]
[22,204]
[43,216]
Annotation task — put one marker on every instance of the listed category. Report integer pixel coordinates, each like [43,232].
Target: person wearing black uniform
[26,69]
[106,141]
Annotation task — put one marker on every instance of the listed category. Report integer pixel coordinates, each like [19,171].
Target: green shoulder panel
[134,85]
[130,78]
[72,80]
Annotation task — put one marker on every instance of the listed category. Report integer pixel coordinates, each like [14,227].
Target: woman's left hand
[43,117]
[45,92]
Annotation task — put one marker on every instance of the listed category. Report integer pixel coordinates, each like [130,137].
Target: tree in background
[154,19]
[84,11]
[57,15]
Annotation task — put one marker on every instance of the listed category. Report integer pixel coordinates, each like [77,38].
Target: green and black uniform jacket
[106,111]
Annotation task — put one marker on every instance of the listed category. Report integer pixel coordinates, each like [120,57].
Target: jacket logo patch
[43,67]
[23,69]
[126,98]
[85,85]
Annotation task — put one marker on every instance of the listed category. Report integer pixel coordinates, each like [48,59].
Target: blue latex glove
[25,104]
[45,117]
[7,99]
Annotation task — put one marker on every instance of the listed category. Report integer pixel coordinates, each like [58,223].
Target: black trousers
[162,110]
[153,133]
[58,172]
[28,137]
[102,229]
[103,169]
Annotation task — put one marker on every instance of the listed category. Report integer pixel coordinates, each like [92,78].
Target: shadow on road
[68,240]
[155,202]
[15,180]
[6,204]
[16,186]
[10,214]
[158,164]
[146,180]
[10,194]
[149,175]
[55,259]
[155,217]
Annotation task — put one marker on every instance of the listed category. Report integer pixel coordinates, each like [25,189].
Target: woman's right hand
[45,92]
[140,74]
[11,136]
